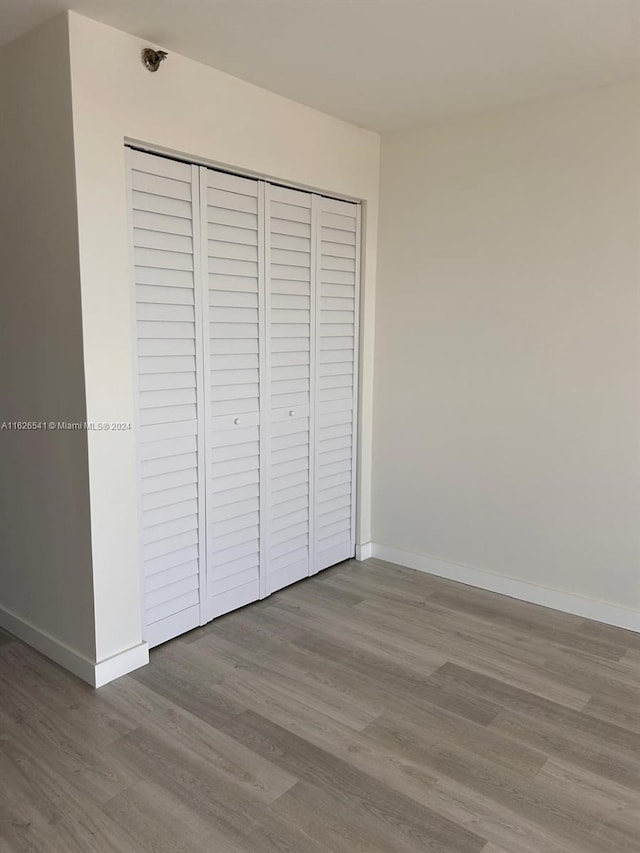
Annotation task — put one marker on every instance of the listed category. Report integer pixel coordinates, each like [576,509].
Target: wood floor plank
[430,629]
[600,793]
[434,620]
[545,618]
[365,669]
[528,620]
[617,636]
[569,817]
[359,629]
[537,707]
[510,830]
[336,826]
[257,620]
[158,823]
[449,735]
[324,594]
[196,782]
[572,744]
[415,824]
[298,661]
[625,714]
[77,760]
[434,645]
[241,767]
[414,780]
[276,675]
[44,682]
[387,584]
[40,810]
[377,649]
[499,656]
[192,694]
[308,722]
[619,679]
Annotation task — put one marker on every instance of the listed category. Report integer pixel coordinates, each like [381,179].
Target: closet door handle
[291,413]
[236,420]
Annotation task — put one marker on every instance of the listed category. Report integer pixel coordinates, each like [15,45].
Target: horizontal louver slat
[162,223]
[233,495]
[169,497]
[161,294]
[161,580]
[170,608]
[235,524]
[232,299]
[150,203]
[231,510]
[232,200]
[335,430]
[286,524]
[172,512]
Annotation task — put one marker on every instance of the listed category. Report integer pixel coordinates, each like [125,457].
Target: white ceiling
[382,64]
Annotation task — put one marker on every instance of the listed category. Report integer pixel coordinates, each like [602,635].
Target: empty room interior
[320,426]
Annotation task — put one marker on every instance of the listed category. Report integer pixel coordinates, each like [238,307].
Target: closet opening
[246,303]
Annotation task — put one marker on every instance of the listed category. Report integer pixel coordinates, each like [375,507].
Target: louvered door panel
[335,380]
[289,251]
[163,198]
[233,246]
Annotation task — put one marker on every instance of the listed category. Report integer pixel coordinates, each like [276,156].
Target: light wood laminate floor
[370,708]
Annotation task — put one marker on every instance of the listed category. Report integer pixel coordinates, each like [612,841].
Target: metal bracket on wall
[151,58]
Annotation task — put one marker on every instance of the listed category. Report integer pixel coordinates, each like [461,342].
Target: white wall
[194,110]
[507,406]
[46,592]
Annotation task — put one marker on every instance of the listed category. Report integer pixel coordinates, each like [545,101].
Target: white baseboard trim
[120,664]
[67,657]
[95,674]
[363,552]
[599,611]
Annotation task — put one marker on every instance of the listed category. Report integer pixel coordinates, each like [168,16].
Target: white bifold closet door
[233,349]
[163,199]
[336,377]
[289,271]
[246,311]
